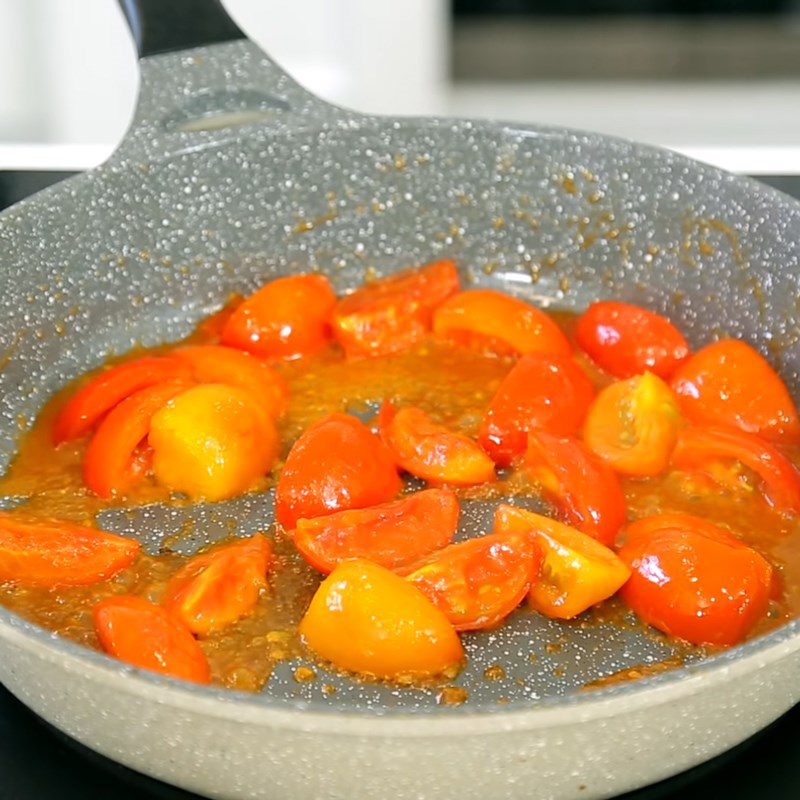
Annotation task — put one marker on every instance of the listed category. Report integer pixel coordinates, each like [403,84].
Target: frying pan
[231,174]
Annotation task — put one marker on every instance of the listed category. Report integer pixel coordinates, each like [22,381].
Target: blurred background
[718,80]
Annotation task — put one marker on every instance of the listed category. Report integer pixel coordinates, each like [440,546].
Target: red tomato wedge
[336,464]
[217,364]
[97,397]
[431,451]
[478,583]
[626,340]
[577,572]
[149,637]
[286,318]
[544,391]
[215,589]
[51,552]
[393,313]
[586,491]
[694,580]
[110,465]
[730,383]
[392,534]
[699,448]
[498,322]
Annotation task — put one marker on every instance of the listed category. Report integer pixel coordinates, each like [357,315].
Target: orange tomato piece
[217,364]
[286,318]
[479,582]
[215,589]
[633,425]
[212,441]
[97,397]
[149,637]
[694,580]
[210,329]
[368,620]
[52,552]
[392,534]
[626,340]
[730,383]
[110,463]
[577,572]
[585,490]
[549,392]
[700,448]
[336,464]
[431,451]
[498,322]
[393,313]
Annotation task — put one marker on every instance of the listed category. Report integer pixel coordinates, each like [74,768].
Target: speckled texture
[139,250]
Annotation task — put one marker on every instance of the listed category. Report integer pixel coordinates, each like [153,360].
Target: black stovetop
[39,763]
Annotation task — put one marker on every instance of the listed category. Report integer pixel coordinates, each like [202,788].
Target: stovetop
[39,763]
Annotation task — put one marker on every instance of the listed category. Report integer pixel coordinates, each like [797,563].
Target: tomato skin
[287,318]
[694,580]
[215,589]
[336,464]
[368,620]
[393,313]
[392,534]
[431,451]
[633,425]
[149,637]
[730,383]
[50,552]
[496,321]
[94,399]
[544,391]
[699,447]
[577,572]
[626,340]
[587,492]
[109,463]
[479,582]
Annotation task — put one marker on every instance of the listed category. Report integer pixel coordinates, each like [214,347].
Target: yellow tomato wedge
[366,619]
[577,571]
[633,425]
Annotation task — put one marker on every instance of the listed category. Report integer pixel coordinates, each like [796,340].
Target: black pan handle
[163,26]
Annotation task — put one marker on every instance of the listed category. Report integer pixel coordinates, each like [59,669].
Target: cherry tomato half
[694,580]
[730,383]
[544,391]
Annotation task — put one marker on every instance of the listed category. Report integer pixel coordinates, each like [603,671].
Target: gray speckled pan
[195,205]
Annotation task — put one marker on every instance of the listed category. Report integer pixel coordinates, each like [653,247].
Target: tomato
[336,464]
[212,441]
[392,534]
[626,340]
[210,329]
[286,318]
[498,322]
[109,463]
[479,582]
[587,492]
[214,589]
[542,391]
[577,572]
[149,637]
[700,448]
[217,364]
[366,619]
[393,313]
[431,451]
[51,552]
[94,399]
[694,580]
[730,383]
[633,425]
